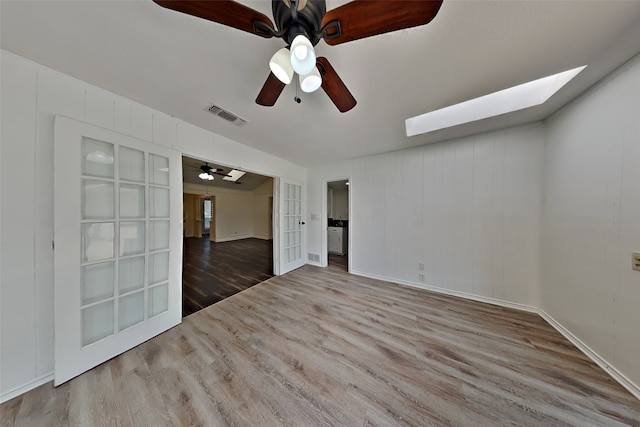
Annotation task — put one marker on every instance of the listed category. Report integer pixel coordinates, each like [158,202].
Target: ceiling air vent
[227,115]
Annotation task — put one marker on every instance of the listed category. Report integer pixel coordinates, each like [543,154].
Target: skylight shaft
[515,98]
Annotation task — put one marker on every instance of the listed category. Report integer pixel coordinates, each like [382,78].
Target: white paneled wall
[591,221]
[469,210]
[18,357]
[32,95]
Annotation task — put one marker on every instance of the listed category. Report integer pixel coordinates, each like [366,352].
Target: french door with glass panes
[118,245]
[291,226]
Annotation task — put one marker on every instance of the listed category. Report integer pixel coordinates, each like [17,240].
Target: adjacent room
[228,232]
[319,212]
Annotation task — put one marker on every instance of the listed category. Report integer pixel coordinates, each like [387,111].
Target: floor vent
[314,257]
[227,115]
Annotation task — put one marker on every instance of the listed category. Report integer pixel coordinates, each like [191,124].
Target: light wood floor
[322,347]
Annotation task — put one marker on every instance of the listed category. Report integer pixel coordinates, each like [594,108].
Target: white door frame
[324,255]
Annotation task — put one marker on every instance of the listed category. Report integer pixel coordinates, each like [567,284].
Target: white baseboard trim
[234,237]
[17,391]
[618,376]
[465,295]
[261,236]
[595,357]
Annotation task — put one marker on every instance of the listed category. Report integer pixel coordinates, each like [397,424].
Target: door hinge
[53,245]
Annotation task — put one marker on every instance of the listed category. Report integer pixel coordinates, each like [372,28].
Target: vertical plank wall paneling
[32,95]
[482,233]
[18,350]
[57,94]
[590,219]
[467,209]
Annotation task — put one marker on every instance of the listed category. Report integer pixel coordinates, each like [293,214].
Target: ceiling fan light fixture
[311,82]
[280,65]
[303,56]
[206,176]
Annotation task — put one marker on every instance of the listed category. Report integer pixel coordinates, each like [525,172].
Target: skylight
[514,98]
[235,175]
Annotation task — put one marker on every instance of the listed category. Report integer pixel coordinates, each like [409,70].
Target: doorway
[338,221]
[206,212]
[228,233]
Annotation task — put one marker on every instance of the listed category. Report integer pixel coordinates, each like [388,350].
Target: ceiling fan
[302,24]
[206,173]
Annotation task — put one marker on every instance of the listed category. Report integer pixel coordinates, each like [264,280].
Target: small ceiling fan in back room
[302,24]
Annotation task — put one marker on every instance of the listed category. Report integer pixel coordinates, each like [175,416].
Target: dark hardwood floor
[214,271]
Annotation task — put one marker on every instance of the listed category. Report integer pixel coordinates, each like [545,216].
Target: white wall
[591,220]
[469,210]
[340,204]
[240,214]
[31,96]
[234,216]
[262,211]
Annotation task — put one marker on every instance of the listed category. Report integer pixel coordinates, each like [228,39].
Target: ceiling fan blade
[270,91]
[334,86]
[365,18]
[226,12]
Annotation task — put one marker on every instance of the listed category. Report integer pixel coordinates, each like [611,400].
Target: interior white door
[118,244]
[291,226]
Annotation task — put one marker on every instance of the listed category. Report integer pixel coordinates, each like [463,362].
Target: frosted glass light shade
[303,57]
[280,65]
[311,82]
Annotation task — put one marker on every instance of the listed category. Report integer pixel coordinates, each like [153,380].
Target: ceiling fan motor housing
[294,22]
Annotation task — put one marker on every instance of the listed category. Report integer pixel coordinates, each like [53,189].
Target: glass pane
[131,201]
[131,238]
[97,241]
[286,256]
[130,274]
[158,299]
[159,202]
[158,267]
[158,235]
[97,158]
[97,322]
[130,310]
[131,164]
[96,282]
[298,253]
[97,199]
[158,170]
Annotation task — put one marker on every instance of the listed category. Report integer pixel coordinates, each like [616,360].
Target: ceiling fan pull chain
[297,97]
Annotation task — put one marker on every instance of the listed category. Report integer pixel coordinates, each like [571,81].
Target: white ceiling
[180,65]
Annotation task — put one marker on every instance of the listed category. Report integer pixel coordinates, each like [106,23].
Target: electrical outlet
[421,266]
[421,278]
[635,256]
